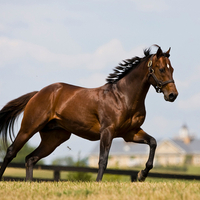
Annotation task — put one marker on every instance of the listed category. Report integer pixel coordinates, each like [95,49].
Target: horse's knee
[31,161]
[153,143]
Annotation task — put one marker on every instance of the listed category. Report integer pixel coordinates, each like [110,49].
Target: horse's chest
[137,121]
[133,122]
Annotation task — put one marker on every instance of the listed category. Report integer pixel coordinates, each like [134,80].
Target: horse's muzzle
[171,97]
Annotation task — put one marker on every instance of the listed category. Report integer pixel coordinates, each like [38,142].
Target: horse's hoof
[140,176]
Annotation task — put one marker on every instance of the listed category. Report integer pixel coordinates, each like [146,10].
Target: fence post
[56,175]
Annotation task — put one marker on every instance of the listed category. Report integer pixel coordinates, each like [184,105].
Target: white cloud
[95,80]
[153,5]
[189,95]
[160,122]
[182,84]
[12,50]
[2,27]
[190,104]
[105,54]
[111,53]
[37,63]
[160,126]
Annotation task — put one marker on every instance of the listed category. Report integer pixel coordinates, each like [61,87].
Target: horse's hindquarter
[77,111]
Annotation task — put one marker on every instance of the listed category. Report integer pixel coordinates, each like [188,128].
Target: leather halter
[159,84]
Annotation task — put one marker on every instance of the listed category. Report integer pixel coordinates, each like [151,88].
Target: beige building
[184,149]
[122,154]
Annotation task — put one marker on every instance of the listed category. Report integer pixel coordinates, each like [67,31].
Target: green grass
[179,190]
[46,174]
[113,187]
[17,172]
[193,170]
[188,169]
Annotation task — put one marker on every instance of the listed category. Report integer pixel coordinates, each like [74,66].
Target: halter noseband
[159,84]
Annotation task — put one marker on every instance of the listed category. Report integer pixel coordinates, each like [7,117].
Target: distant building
[122,154]
[184,149]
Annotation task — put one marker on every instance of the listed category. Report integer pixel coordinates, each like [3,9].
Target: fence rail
[57,169]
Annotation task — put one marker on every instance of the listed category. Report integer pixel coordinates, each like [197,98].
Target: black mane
[124,68]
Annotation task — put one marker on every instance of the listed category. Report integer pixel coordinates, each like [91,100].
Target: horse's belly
[90,130]
[88,135]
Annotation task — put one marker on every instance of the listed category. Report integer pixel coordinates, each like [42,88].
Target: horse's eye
[162,70]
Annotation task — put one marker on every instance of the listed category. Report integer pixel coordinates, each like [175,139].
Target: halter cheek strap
[159,84]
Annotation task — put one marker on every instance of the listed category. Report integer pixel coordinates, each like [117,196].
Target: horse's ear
[159,52]
[168,52]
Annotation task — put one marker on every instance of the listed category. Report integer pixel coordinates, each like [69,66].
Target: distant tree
[70,161]
[26,149]
[65,161]
[2,150]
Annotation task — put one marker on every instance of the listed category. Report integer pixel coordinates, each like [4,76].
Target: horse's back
[52,97]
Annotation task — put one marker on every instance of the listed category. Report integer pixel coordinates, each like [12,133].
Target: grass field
[150,190]
[46,174]
[113,187]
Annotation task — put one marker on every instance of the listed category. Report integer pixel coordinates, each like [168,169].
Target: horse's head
[161,74]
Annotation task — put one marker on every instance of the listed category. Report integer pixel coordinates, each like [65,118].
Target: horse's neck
[135,85]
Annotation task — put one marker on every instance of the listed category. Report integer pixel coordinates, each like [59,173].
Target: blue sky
[80,42]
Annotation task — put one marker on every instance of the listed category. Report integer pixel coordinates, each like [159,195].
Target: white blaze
[168,65]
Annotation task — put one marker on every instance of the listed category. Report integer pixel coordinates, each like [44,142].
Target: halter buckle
[159,87]
[149,63]
[151,71]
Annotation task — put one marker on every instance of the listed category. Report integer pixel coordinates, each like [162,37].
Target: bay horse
[116,109]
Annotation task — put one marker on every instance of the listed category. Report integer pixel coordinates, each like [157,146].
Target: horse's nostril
[172,96]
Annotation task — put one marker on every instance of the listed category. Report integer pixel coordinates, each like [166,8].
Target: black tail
[10,112]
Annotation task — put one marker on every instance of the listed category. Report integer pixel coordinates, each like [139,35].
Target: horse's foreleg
[142,137]
[105,143]
[149,164]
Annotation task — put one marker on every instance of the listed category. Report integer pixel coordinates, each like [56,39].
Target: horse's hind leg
[142,137]
[32,122]
[8,158]
[49,141]
[12,151]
